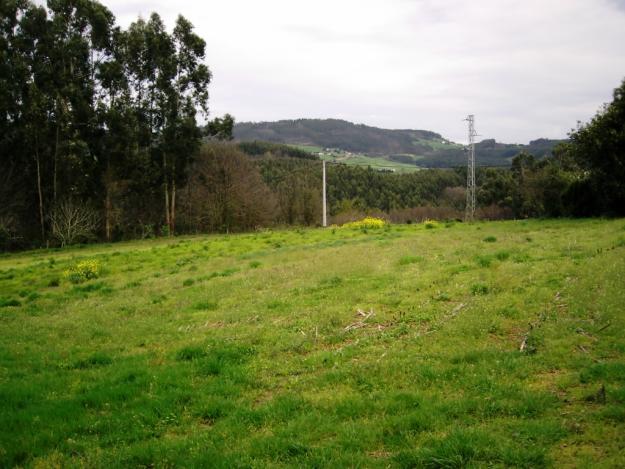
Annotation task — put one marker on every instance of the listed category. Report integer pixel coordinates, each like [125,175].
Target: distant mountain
[419,148]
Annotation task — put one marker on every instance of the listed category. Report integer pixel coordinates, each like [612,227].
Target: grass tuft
[206,305]
[190,353]
[406,260]
[54,282]
[484,260]
[6,302]
[95,360]
[480,289]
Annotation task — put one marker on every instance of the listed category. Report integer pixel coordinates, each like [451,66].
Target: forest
[104,135]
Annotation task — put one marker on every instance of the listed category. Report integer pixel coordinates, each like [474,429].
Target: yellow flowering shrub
[367,223]
[431,224]
[82,271]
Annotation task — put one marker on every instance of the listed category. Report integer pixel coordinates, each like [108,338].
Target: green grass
[320,348]
[358,159]
[309,148]
[379,163]
[437,144]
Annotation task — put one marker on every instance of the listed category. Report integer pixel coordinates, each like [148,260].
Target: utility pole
[325,217]
[469,213]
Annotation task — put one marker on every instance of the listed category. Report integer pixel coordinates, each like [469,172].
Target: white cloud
[526,69]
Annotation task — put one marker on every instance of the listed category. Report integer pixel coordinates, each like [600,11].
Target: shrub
[367,223]
[490,239]
[147,231]
[83,271]
[431,224]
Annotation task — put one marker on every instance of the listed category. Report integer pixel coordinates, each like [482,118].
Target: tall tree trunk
[40,192]
[56,153]
[166,189]
[107,201]
[172,205]
[172,218]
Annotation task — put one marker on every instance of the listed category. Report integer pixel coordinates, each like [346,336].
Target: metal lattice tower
[469,213]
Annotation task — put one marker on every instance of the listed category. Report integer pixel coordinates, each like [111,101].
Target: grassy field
[396,347]
[378,163]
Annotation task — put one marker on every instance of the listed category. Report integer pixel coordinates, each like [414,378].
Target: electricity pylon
[469,213]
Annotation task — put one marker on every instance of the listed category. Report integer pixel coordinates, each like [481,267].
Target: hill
[396,347]
[358,143]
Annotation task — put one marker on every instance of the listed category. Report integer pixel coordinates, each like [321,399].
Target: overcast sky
[525,68]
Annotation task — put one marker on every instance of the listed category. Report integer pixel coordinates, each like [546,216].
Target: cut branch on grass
[523,343]
[581,331]
[456,310]
[451,315]
[361,323]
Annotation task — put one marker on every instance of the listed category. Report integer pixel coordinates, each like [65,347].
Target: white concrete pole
[325,216]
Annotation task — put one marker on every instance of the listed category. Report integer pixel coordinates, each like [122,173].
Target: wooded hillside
[422,148]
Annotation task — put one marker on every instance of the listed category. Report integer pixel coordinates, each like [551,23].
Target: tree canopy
[599,148]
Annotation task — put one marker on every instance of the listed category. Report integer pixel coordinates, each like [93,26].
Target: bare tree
[226,192]
[72,222]
[455,197]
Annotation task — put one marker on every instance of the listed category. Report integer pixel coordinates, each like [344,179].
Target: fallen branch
[581,331]
[605,327]
[361,323]
[456,310]
[523,344]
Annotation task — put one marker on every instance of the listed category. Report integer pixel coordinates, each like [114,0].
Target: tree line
[95,116]
[101,138]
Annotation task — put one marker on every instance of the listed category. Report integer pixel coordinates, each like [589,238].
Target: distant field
[375,163]
[395,347]
[357,159]
[309,148]
[438,145]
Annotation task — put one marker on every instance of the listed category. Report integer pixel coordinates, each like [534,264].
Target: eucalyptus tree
[116,148]
[23,103]
[79,39]
[170,85]
[189,94]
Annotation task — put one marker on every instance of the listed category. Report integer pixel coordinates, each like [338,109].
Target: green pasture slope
[321,348]
[357,159]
